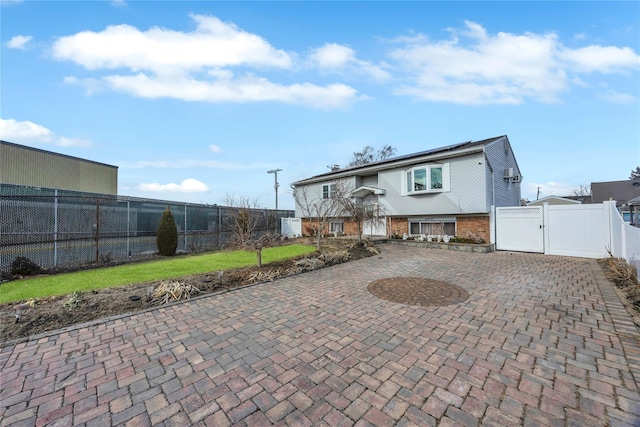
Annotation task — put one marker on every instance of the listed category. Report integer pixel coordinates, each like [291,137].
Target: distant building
[22,165]
[620,191]
[554,200]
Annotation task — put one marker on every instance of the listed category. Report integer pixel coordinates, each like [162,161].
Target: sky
[195,101]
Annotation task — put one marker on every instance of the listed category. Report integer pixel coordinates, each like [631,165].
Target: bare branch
[370,155]
[319,210]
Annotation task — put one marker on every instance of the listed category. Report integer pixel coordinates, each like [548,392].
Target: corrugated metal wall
[38,168]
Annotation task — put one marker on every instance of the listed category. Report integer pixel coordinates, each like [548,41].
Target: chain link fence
[66,229]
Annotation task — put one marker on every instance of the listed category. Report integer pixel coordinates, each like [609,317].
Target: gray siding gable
[500,191]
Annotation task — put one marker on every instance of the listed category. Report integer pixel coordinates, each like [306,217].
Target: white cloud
[336,58]
[332,55]
[474,67]
[118,3]
[29,133]
[192,66]
[618,98]
[18,42]
[213,44]
[214,148]
[541,190]
[189,185]
[601,59]
[249,89]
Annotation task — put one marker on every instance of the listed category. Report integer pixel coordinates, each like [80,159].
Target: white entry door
[520,229]
[374,227]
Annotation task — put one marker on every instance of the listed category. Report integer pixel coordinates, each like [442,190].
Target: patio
[536,340]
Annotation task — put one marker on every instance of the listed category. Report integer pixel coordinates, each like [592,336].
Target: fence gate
[520,229]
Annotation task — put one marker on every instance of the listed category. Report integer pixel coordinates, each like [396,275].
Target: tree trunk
[259,253]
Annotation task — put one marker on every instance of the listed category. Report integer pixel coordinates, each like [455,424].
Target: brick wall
[465,226]
[398,226]
[473,225]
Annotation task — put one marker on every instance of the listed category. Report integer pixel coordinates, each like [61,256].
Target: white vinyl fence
[291,227]
[625,241]
[589,231]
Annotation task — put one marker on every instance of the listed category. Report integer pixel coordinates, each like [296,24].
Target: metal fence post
[185,228]
[128,227]
[55,228]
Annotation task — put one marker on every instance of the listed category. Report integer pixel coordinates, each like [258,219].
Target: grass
[170,268]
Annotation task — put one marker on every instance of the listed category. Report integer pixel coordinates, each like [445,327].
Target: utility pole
[276,185]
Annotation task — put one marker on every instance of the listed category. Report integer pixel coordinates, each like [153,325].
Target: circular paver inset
[417,291]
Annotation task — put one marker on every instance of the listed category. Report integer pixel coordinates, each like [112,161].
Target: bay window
[426,179]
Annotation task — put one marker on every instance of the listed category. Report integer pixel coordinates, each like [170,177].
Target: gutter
[391,165]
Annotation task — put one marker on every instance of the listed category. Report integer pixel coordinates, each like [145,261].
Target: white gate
[520,229]
[590,231]
[577,230]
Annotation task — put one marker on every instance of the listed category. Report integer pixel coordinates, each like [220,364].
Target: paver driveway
[540,341]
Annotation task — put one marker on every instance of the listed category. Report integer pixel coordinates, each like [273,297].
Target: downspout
[493,183]
[492,209]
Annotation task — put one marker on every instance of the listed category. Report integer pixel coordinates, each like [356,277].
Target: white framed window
[432,227]
[421,179]
[328,191]
[336,227]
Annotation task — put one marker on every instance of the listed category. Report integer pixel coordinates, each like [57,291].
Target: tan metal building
[22,165]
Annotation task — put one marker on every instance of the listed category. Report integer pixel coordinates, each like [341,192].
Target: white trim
[427,167]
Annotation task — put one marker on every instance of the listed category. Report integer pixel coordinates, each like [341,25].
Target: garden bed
[58,312]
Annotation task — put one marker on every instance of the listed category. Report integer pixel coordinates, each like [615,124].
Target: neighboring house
[623,192]
[33,167]
[554,200]
[634,214]
[448,190]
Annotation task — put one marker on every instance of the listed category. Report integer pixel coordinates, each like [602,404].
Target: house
[620,191]
[555,200]
[448,190]
[626,194]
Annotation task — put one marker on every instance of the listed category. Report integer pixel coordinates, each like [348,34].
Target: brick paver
[540,341]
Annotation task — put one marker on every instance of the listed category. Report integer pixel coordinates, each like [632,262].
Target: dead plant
[264,276]
[170,291]
[621,272]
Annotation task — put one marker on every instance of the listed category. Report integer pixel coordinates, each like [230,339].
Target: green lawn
[170,268]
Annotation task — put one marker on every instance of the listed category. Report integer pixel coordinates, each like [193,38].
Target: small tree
[167,236]
[351,206]
[244,220]
[242,217]
[635,173]
[320,211]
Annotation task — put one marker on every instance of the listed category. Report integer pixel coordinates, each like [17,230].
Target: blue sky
[195,101]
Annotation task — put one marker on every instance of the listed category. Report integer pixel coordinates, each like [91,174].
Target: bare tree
[582,190]
[242,220]
[370,155]
[635,173]
[320,211]
[351,207]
